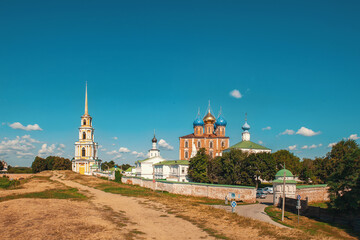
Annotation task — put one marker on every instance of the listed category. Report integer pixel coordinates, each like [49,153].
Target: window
[186,154]
[223,144]
[211,153]
[182,170]
[84,122]
[84,135]
[211,144]
[83,152]
[186,144]
[199,144]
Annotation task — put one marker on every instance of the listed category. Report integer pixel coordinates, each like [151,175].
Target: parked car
[260,195]
[268,190]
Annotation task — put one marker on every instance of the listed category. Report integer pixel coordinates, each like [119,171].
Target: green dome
[281,173]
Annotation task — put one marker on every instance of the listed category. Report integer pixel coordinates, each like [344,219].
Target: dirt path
[150,219]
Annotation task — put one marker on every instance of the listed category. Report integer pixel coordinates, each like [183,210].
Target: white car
[268,190]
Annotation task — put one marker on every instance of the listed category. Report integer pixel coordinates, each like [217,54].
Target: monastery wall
[315,193]
[243,193]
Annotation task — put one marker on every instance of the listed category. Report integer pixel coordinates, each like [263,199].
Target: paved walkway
[254,211]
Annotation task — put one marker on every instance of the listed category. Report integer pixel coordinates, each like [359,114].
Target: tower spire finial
[209,106]
[154,132]
[198,111]
[86,100]
[245,117]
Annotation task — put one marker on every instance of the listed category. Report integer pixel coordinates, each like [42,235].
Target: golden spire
[86,101]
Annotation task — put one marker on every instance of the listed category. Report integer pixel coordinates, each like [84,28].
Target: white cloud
[124,150]
[354,137]
[305,147]
[113,144]
[307,132]
[293,147]
[288,132]
[163,144]
[260,142]
[313,146]
[113,152]
[320,145]
[236,94]
[28,138]
[17,125]
[62,146]
[46,150]
[331,144]
[266,128]
[138,154]
[115,138]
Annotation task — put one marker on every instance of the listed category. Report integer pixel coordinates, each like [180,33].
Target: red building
[209,133]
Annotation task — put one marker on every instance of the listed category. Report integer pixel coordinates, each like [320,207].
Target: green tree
[50,162]
[39,164]
[60,163]
[344,182]
[1,165]
[307,170]
[291,161]
[232,166]
[198,167]
[107,165]
[118,176]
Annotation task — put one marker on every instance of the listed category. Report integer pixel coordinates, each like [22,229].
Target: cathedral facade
[86,150]
[209,133]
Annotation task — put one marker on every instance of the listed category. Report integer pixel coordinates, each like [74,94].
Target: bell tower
[86,150]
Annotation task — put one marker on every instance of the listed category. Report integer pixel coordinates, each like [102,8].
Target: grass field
[308,225]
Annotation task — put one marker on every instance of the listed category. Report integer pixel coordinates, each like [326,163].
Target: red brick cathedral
[209,133]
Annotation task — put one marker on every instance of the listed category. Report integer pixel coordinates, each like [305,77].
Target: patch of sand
[55,219]
[155,223]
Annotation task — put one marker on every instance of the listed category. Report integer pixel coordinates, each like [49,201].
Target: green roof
[173,162]
[248,145]
[311,186]
[94,166]
[139,161]
[281,173]
[129,169]
[286,181]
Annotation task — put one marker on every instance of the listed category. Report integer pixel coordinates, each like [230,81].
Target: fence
[215,191]
[325,215]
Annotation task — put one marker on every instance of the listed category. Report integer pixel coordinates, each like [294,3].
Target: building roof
[286,181]
[203,136]
[248,145]
[129,169]
[173,162]
[281,173]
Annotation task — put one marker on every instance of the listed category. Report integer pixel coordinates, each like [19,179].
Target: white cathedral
[86,150]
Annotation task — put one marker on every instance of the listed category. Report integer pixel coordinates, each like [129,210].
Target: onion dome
[154,140]
[221,121]
[281,173]
[246,127]
[209,118]
[198,121]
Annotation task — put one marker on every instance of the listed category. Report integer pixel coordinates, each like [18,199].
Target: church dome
[281,173]
[209,118]
[154,140]
[221,121]
[246,127]
[198,121]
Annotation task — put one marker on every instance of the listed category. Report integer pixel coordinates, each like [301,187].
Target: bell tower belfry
[86,150]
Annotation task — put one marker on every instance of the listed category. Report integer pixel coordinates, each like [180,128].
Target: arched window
[211,144]
[223,144]
[199,144]
[84,122]
[186,154]
[84,135]
[83,152]
[186,144]
[211,153]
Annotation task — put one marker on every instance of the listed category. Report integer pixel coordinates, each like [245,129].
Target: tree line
[339,169]
[50,163]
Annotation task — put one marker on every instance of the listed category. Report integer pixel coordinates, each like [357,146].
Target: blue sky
[151,64]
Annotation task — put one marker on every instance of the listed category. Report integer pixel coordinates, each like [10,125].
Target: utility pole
[283,198]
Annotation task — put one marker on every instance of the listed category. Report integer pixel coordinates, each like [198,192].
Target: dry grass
[216,222]
[56,219]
